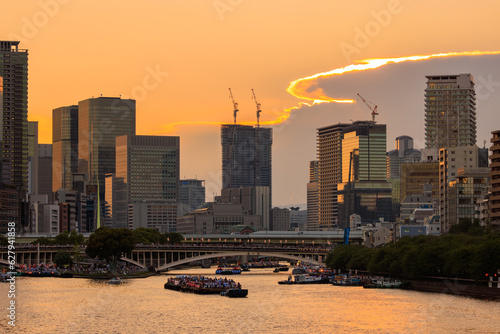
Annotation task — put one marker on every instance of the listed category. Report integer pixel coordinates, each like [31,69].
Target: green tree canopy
[3,240]
[109,243]
[62,258]
[174,238]
[454,255]
[43,241]
[146,236]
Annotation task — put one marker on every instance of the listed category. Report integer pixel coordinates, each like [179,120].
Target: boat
[235,293]
[228,271]
[305,279]
[344,280]
[245,267]
[115,281]
[299,271]
[201,285]
[278,269]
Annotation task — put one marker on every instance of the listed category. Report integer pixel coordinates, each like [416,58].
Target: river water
[56,305]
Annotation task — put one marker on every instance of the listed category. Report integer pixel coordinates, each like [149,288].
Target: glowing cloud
[305,88]
[308,88]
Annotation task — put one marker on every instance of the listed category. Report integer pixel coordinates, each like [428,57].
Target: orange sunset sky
[178,59]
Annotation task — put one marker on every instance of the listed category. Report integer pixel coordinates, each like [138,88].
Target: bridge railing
[239,247]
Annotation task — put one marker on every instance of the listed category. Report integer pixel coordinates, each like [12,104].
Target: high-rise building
[100,121]
[149,167]
[313,197]
[494,198]
[415,175]
[45,170]
[192,193]
[246,156]
[65,146]
[364,189]
[14,120]
[281,219]
[451,159]
[463,193]
[33,158]
[255,200]
[450,111]
[10,209]
[329,144]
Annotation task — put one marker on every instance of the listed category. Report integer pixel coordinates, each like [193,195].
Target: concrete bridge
[164,257]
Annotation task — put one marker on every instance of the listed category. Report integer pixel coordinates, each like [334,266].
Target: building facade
[313,197]
[494,198]
[217,218]
[329,145]
[364,189]
[463,193]
[65,146]
[100,121]
[281,219]
[452,159]
[14,120]
[45,170]
[192,193]
[246,156]
[450,111]
[149,167]
[254,200]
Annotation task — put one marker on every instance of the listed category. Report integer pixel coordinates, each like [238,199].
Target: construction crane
[258,107]
[371,106]
[235,105]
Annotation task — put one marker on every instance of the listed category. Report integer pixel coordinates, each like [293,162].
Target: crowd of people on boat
[204,282]
[104,269]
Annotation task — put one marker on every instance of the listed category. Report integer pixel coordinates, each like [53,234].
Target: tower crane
[235,105]
[258,107]
[372,106]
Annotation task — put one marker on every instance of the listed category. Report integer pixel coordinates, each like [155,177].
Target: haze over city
[179,59]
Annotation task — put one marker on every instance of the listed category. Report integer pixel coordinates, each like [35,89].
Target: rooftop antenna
[258,107]
[235,105]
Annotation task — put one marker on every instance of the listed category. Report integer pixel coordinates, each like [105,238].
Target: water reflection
[55,305]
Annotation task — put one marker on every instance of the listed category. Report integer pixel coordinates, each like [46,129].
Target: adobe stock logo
[224,6]
[363,36]
[31,27]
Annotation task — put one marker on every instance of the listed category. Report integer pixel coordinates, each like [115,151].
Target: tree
[76,239]
[62,238]
[62,258]
[467,226]
[146,236]
[174,238]
[109,243]
[43,241]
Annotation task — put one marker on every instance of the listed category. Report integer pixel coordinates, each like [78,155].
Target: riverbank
[457,287]
[142,274]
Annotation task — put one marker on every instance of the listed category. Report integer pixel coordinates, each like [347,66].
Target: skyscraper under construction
[246,156]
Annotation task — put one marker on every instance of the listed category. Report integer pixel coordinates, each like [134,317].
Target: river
[57,305]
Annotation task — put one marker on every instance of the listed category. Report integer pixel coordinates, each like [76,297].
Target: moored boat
[235,293]
[201,285]
[305,279]
[228,271]
[278,269]
[115,281]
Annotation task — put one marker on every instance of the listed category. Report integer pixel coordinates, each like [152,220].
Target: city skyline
[183,76]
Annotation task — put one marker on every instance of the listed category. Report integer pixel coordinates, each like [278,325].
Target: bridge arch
[7,263]
[236,253]
[126,259]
